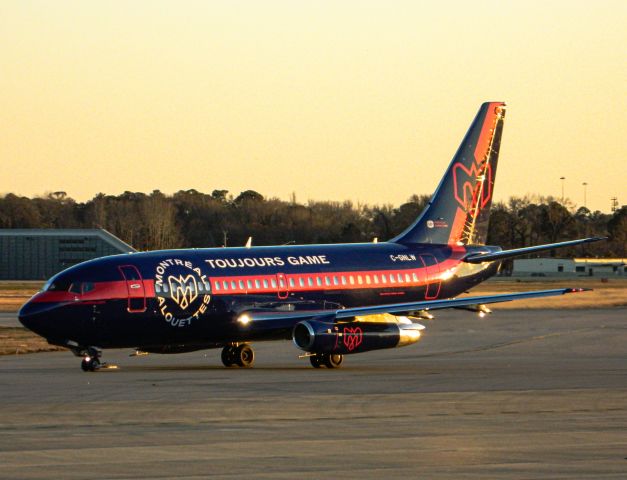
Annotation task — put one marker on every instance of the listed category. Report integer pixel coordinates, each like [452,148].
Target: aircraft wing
[284,320]
[492,256]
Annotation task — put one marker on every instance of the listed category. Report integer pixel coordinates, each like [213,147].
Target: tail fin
[458,211]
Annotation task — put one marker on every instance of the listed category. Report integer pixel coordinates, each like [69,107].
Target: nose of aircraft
[26,315]
[32,316]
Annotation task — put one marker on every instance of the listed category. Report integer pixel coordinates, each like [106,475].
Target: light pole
[585,187]
[562,179]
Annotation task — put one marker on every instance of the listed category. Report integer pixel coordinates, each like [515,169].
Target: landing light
[244,319]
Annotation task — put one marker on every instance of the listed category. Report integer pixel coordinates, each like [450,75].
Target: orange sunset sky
[333,100]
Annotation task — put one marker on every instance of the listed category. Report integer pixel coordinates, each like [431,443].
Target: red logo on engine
[352,337]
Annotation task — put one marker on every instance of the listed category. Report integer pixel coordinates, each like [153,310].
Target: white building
[557,267]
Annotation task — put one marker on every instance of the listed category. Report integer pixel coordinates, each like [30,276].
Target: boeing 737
[331,300]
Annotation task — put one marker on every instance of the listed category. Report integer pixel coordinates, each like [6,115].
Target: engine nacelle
[343,338]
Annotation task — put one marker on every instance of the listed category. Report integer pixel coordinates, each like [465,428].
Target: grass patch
[14,341]
[606,293]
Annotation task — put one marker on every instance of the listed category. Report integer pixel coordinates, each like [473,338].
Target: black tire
[245,356]
[227,356]
[333,360]
[85,365]
[90,365]
[315,361]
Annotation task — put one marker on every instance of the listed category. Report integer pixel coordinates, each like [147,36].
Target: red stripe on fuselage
[269,283]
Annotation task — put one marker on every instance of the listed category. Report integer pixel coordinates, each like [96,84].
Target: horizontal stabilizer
[516,252]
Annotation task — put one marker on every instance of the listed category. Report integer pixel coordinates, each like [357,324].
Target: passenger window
[335,281]
[359,280]
[233,284]
[351,279]
[400,278]
[301,282]
[249,284]
[310,282]
[265,283]
[241,285]
[273,282]
[225,285]
[343,280]
[327,281]
[368,279]
[216,286]
[319,281]
[415,277]
[384,279]
[392,279]
[257,284]
[407,279]
[376,279]
[292,284]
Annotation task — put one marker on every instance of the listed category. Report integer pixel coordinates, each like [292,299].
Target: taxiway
[518,394]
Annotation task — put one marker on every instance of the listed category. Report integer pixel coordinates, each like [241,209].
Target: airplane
[331,300]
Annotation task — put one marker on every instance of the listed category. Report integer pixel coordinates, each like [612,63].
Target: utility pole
[585,187]
[614,204]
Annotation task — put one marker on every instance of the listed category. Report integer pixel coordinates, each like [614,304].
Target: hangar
[37,254]
[558,267]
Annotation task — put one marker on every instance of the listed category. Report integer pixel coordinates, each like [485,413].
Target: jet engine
[314,336]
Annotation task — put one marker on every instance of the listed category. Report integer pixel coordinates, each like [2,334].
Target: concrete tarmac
[518,394]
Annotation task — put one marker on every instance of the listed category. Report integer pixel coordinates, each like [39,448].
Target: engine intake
[344,338]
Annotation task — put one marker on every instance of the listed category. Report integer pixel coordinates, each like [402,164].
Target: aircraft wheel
[333,360]
[90,364]
[228,356]
[245,355]
[315,360]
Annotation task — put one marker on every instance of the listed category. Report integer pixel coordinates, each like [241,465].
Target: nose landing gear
[241,355]
[91,359]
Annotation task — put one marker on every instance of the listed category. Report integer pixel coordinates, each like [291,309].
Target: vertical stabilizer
[458,211]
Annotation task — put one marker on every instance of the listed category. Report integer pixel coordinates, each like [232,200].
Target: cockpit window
[75,288]
[88,287]
[59,286]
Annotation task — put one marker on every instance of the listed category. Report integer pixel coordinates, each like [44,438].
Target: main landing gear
[329,360]
[241,355]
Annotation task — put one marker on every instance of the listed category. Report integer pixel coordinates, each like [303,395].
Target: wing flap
[271,320]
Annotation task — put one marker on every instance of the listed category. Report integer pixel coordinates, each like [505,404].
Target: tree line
[190,218]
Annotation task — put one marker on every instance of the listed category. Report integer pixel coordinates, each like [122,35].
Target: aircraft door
[434,281]
[282,288]
[135,289]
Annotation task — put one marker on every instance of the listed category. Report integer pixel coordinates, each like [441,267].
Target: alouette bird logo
[467,183]
[184,290]
[352,337]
